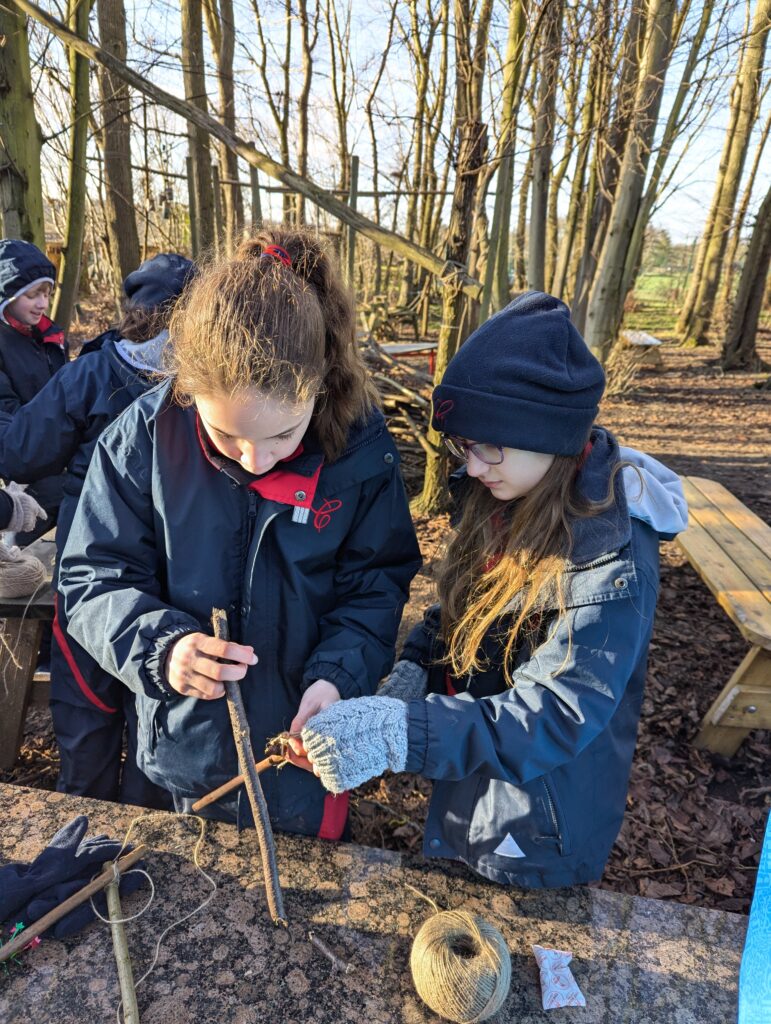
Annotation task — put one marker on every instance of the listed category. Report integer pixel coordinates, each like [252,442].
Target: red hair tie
[277,252]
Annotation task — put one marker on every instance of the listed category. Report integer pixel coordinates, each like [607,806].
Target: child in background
[57,430]
[32,350]
[260,479]
[520,693]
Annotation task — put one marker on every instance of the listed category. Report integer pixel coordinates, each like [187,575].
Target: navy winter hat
[157,280]
[22,265]
[524,379]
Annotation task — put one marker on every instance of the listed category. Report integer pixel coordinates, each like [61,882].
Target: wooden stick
[122,958]
[333,958]
[246,763]
[24,938]
[273,760]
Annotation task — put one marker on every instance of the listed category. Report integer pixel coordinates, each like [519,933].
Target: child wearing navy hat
[32,350]
[520,692]
[57,430]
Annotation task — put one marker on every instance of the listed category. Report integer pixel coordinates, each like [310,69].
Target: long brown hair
[252,322]
[504,566]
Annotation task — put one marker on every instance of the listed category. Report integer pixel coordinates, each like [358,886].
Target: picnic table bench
[637,961]
[730,548]
[21,628]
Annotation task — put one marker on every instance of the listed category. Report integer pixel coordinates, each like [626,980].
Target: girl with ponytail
[260,478]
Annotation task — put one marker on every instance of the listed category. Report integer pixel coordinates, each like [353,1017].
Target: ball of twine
[21,574]
[461,966]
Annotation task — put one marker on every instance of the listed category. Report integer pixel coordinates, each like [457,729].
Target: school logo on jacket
[321,515]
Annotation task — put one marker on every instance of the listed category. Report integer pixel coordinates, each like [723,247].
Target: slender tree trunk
[69,268]
[121,223]
[543,144]
[520,236]
[606,303]
[739,349]
[729,262]
[671,132]
[696,317]
[21,193]
[471,155]
[609,149]
[308,36]
[221,28]
[193,73]
[497,270]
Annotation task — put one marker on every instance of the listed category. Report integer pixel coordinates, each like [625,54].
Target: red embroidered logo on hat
[322,516]
[444,409]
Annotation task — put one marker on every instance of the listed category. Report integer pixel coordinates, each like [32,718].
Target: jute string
[21,574]
[460,965]
[146,838]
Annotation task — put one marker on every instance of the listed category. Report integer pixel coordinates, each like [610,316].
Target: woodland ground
[694,821]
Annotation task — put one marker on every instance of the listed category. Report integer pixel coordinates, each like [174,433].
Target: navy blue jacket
[312,563]
[531,780]
[27,364]
[58,428]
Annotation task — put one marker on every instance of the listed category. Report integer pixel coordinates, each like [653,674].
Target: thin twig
[122,957]
[262,826]
[334,959]
[272,761]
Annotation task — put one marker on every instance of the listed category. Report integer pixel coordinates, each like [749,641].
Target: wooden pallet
[730,548]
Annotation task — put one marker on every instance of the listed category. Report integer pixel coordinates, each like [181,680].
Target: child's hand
[318,696]
[193,671]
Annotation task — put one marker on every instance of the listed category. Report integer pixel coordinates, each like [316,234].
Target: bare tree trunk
[609,149]
[671,132]
[606,302]
[727,275]
[471,155]
[309,36]
[21,193]
[69,268]
[739,349]
[520,236]
[543,143]
[222,35]
[696,317]
[193,73]
[369,111]
[120,217]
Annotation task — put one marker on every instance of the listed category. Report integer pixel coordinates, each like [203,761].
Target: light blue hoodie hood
[654,493]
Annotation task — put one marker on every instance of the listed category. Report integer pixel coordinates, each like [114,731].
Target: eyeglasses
[490,454]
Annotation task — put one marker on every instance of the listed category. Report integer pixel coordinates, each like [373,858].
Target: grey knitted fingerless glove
[354,740]
[26,510]
[407,681]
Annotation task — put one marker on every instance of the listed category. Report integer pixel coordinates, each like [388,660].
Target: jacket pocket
[558,822]
[147,726]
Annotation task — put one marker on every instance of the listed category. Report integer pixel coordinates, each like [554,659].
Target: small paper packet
[558,986]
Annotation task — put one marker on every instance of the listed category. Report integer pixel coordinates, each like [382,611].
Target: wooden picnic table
[730,548]
[21,628]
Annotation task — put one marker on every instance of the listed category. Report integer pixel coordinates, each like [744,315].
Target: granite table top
[636,960]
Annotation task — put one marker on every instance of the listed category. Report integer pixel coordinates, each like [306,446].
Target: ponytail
[276,317]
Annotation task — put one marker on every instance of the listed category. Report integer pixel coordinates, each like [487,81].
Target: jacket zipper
[553,813]
[252,562]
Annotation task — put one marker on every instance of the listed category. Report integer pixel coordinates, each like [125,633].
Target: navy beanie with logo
[158,280]
[22,265]
[524,379]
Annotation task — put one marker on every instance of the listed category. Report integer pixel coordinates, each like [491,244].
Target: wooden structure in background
[730,548]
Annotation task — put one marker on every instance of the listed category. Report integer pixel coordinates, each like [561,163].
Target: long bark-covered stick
[251,778]
[272,761]
[122,958]
[108,875]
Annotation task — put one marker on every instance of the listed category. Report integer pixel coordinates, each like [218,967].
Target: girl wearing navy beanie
[520,692]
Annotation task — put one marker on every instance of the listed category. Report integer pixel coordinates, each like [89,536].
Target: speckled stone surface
[636,960]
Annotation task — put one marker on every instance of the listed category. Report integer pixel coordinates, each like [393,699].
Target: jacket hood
[654,493]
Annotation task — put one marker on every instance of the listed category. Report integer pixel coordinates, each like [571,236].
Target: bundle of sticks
[405,391]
